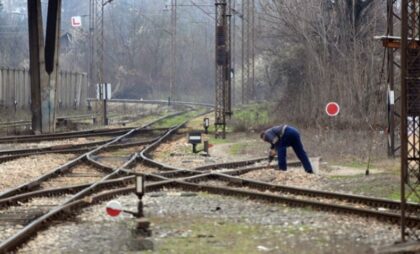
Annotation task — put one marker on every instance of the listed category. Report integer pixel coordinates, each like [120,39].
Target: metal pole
[233,54]
[253,48]
[221,64]
[243,92]
[173,48]
[390,71]
[102,64]
[248,51]
[404,42]
[228,68]
[92,43]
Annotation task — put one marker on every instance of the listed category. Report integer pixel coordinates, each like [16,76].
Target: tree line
[316,51]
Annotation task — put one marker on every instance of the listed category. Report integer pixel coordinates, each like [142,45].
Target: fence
[15,89]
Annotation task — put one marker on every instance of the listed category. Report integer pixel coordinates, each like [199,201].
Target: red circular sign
[332,109]
[113,208]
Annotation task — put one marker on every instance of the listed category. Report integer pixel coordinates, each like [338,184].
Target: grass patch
[144,120]
[175,120]
[396,195]
[207,235]
[356,164]
[253,116]
[217,141]
[238,148]
[235,149]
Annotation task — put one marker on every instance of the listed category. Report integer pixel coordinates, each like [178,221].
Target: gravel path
[287,230]
[80,174]
[20,171]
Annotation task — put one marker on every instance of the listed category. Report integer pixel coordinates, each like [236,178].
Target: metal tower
[410,113]
[393,72]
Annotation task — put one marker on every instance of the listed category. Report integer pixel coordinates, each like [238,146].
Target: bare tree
[325,52]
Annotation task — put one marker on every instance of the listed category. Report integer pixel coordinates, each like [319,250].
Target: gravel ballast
[288,230]
[16,172]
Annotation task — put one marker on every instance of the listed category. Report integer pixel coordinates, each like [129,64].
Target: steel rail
[355,199]
[66,210]
[263,186]
[77,148]
[63,168]
[393,217]
[32,227]
[70,208]
[158,102]
[77,201]
[63,135]
[69,135]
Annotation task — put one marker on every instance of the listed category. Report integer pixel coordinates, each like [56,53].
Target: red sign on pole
[76,21]
[113,208]
[332,109]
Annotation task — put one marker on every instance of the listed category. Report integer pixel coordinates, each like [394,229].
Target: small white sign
[76,21]
[103,91]
[391,97]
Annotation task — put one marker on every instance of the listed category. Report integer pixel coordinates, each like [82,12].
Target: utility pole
[100,107]
[172,82]
[244,87]
[393,19]
[44,63]
[92,71]
[246,82]
[222,67]
[228,80]
[101,104]
[253,93]
[248,50]
[233,52]
[243,23]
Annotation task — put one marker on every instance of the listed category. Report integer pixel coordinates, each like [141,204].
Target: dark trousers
[291,137]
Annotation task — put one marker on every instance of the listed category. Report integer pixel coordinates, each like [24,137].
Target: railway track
[110,175]
[86,133]
[6,155]
[222,179]
[121,141]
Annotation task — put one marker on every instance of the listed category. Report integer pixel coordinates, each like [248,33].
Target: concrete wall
[15,88]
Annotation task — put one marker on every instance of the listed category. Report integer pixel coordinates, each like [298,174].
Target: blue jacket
[274,134]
